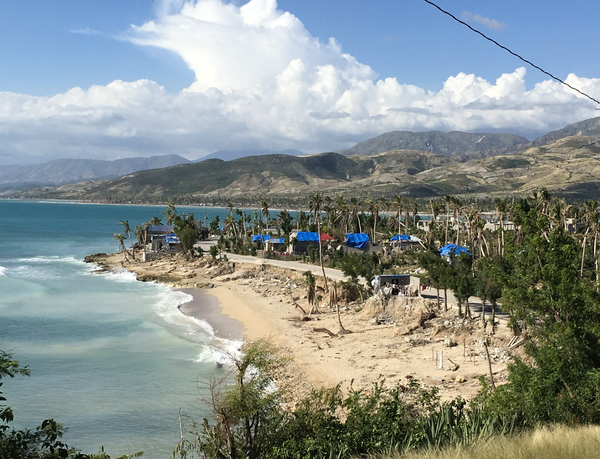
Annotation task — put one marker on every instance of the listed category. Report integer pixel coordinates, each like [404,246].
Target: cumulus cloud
[487,22]
[263,82]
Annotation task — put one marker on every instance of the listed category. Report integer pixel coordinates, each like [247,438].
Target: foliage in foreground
[254,418]
[557,442]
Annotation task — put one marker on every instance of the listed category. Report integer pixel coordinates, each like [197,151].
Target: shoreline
[380,340]
[206,307]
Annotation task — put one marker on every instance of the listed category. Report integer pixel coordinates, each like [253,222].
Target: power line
[511,52]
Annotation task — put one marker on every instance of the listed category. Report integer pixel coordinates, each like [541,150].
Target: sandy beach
[383,339]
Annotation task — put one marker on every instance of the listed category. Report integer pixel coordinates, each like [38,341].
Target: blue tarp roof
[172,239]
[160,228]
[452,248]
[307,236]
[400,237]
[261,237]
[358,240]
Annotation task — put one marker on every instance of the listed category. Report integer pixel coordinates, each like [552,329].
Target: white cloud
[262,81]
[487,22]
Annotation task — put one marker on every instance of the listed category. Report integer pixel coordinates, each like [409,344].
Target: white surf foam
[121,275]
[214,349]
[3,271]
[50,259]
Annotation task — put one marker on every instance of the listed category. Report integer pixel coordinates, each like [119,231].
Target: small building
[157,236]
[276,244]
[304,240]
[357,240]
[403,241]
[397,284]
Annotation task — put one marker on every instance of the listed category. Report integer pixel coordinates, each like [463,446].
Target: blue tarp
[401,237]
[358,240]
[452,248]
[306,236]
[261,237]
[172,239]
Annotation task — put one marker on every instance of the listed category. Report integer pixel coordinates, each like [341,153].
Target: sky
[110,79]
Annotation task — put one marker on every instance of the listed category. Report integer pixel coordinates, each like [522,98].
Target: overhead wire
[511,52]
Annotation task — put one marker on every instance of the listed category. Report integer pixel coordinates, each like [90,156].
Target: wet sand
[206,307]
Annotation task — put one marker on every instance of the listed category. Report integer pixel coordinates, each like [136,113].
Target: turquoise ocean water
[111,358]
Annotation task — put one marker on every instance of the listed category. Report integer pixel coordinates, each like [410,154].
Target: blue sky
[110,79]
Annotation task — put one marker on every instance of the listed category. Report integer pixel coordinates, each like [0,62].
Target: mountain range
[566,161]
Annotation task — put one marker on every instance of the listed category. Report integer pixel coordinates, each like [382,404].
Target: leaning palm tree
[127,233]
[315,203]
[121,240]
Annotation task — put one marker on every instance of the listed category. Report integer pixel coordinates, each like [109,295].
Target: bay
[111,358]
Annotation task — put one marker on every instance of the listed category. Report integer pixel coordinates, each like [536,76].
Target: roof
[277,240]
[405,238]
[393,275]
[326,237]
[160,228]
[452,249]
[307,236]
[358,240]
[261,237]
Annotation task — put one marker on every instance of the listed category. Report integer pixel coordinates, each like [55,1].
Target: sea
[111,358]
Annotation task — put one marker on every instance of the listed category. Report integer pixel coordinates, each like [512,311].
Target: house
[360,243]
[276,244]
[157,236]
[303,240]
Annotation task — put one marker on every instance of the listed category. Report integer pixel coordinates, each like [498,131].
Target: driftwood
[324,330]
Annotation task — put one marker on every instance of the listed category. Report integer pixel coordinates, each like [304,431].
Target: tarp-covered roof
[261,237]
[453,249]
[358,240]
[326,237]
[276,240]
[307,236]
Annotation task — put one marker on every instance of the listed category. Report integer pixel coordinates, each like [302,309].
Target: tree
[264,211]
[285,223]
[127,233]
[309,281]
[315,202]
[559,313]
[247,414]
[186,230]
[170,212]
[121,240]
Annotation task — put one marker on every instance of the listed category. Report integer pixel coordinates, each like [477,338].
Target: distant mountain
[589,128]
[230,155]
[65,171]
[569,167]
[462,146]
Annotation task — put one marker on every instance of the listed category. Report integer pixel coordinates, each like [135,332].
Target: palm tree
[155,221]
[315,203]
[501,208]
[456,206]
[121,240]
[264,212]
[398,203]
[343,211]
[127,232]
[355,205]
[170,212]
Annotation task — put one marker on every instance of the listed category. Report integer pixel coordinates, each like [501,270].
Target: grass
[558,442]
